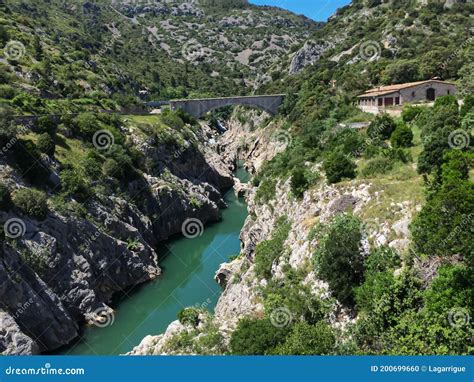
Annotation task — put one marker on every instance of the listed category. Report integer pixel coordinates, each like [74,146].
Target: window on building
[380,101]
[449,92]
[397,100]
[413,94]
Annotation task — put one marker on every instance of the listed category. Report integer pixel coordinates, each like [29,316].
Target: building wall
[369,109]
[420,91]
[406,96]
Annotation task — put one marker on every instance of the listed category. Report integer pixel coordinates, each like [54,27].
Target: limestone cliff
[60,271]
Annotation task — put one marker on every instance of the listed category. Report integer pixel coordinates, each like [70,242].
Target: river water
[189,266]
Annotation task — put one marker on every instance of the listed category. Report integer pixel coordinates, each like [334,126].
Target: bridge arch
[198,107]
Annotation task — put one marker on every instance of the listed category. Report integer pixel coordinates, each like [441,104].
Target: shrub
[348,141]
[448,100]
[338,166]
[112,169]
[268,251]
[402,136]
[381,127]
[444,117]
[86,124]
[189,316]
[92,164]
[410,113]
[73,183]
[381,301]
[398,155]
[339,259]
[256,337]
[306,339]
[381,259]
[5,198]
[6,92]
[28,159]
[379,165]
[299,183]
[468,105]
[8,129]
[172,120]
[32,202]
[443,225]
[266,191]
[47,125]
[46,144]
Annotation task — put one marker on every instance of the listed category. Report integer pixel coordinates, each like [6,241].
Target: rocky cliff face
[61,271]
[308,55]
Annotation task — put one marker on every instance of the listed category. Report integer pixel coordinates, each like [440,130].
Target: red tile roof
[382,90]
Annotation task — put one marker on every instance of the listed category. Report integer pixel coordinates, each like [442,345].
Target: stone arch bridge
[198,107]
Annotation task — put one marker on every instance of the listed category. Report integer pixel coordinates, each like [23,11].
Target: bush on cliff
[268,251]
[306,339]
[189,316]
[339,259]
[338,166]
[46,144]
[73,183]
[32,202]
[256,337]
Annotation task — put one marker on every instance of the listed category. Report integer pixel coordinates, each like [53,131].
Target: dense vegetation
[401,307]
[75,55]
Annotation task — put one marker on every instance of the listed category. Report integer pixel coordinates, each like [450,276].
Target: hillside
[91,53]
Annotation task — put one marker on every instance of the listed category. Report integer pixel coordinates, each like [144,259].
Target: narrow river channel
[189,266]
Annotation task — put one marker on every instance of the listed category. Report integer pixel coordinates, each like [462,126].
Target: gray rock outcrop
[308,55]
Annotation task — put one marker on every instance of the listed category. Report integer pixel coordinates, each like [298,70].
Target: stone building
[386,98]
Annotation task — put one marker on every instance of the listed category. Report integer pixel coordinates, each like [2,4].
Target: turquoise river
[189,266]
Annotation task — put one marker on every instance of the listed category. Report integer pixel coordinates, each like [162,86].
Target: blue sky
[318,10]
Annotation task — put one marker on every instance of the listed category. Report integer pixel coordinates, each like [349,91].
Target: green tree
[47,124]
[74,183]
[402,136]
[338,166]
[46,144]
[256,337]
[306,339]
[339,259]
[299,182]
[381,127]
